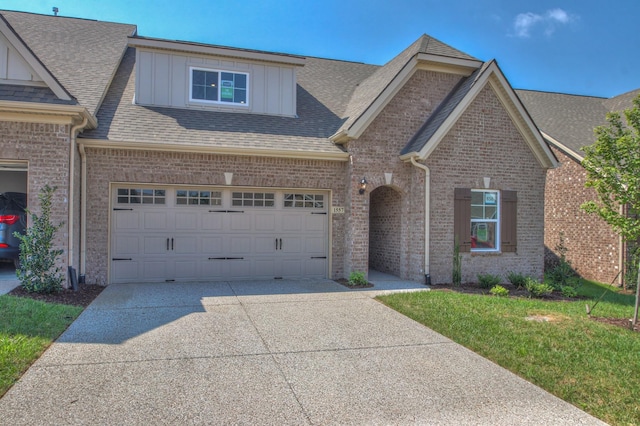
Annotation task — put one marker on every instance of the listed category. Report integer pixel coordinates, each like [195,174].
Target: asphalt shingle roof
[81,54]
[10,92]
[372,87]
[569,119]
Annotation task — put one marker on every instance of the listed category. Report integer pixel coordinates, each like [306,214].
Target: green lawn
[592,365]
[27,328]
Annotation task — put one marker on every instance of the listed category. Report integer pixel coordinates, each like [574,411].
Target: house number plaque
[337,210]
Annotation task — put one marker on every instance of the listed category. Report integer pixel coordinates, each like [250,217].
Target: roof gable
[425,141]
[375,92]
[81,55]
[22,66]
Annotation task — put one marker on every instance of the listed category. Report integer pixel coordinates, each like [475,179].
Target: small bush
[488,280]
[518,280]
[568,291]
[499,291]
[357,278]
[563,273]
[537,289]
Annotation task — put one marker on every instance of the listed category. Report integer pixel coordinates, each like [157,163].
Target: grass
[592,365]
[27,328]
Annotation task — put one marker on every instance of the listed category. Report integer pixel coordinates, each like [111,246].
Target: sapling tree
[38,271]
[612,164]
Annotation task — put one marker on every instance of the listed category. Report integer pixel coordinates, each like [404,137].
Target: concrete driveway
[274,352]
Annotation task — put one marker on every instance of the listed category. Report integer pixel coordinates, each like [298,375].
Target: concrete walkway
[272,352]
[8,280]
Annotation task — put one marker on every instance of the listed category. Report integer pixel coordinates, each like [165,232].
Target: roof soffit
[32,60]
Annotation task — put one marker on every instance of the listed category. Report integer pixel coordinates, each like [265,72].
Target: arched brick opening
[385,220]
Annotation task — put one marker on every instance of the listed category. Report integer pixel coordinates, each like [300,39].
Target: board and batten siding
[13,66]
[162,79]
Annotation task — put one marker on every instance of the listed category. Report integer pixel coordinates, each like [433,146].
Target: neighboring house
[567,123]
[180,161]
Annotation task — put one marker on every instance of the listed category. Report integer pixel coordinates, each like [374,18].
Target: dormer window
[220,87]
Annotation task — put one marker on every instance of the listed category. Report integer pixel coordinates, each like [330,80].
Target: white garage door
[206,234]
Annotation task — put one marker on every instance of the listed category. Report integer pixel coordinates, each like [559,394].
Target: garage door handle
[121,258]
[167,244]
[172,244]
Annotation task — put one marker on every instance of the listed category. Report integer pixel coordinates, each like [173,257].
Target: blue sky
[586,47]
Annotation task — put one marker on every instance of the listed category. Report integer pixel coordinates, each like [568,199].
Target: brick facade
[175,168]
[45,147]
[485,143]
[593,248]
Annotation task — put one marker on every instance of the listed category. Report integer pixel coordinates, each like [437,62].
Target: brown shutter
[508,229]
[462,218]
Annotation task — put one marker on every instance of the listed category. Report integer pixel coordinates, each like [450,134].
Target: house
[181,161]
[567,123]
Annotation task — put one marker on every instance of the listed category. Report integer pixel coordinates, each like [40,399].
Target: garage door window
[253,199]
[141,196]
[195,197]
[310,201]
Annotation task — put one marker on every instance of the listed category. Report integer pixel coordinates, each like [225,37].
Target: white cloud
[525,23]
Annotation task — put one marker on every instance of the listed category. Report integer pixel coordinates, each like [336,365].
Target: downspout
[72,164]
[83,211]
[427,217]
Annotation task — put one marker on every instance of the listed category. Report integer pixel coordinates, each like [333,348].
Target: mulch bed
[83,297]
[473,288]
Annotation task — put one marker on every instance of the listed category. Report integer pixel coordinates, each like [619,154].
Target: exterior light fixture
[363,186]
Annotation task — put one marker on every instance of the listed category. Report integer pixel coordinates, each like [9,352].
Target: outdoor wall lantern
[363,186]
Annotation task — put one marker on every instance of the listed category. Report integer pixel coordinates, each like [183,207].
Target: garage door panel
[291,244]
[155,220]
[315,268]
[127,244]
[316,223]
[154,270]
[240,221]
[186,221]
[123,220]
[265,222]
[213,221]
[213,269]
[239,245]
[185,244]
[266,268]
[238,269]
[186,269]
[292,222]
[125,271]
[155,245]
[212,245]
[265,245]
[314,245]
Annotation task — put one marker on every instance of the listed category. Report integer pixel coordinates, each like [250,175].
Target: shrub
[563,273]
[518,280]
[357,278]
[499,291]
[537,289]
[488,280]
[568,291]
[38,272]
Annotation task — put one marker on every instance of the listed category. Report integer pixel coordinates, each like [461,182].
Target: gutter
[72,149]
[427,217]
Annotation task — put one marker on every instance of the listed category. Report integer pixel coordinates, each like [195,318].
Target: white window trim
[219,71]
[496,221]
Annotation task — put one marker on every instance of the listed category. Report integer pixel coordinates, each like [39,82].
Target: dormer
[206,77]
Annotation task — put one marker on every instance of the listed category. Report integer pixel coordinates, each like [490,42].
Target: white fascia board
[207,149]
[450,65]
[578,157]
[522,119]
[34,62]
[47,113]
[215,51]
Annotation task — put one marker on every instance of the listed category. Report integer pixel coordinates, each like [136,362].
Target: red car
[12,219]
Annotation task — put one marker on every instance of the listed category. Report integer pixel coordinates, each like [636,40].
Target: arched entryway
[385,221]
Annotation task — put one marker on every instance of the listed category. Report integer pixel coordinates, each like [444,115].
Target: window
[140,196]
[219,86]
[485,220]
[310,201]
[195,197]
[253,199]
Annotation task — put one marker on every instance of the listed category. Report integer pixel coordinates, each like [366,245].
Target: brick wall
[375,153]
[114,165]
[593,248]
[46,149]
[385,230]
[485,143]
